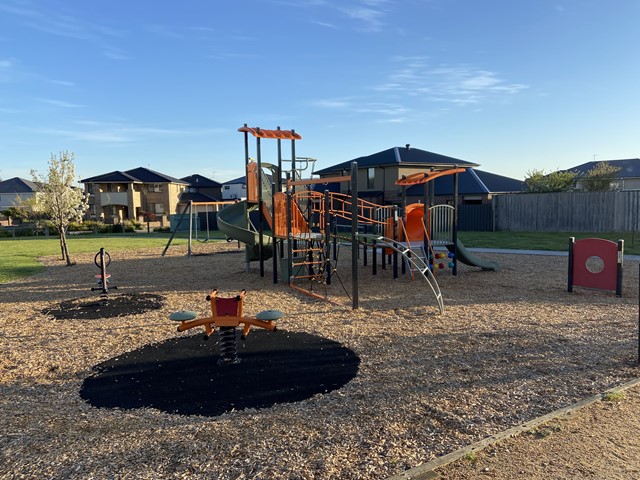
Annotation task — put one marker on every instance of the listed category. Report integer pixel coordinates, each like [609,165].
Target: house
[130,195]
[627,178]
[235,189]
[14,191]
[200,189]
[377,174]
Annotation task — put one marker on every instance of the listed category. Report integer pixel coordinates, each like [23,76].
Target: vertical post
[190,227]
[572,241]
[278,190]
[289,233]
[639,319]
[327,237]
[619,268]
[354,234]
[454,270]
[395,239]
[293,158]
[260,214]
[274,240]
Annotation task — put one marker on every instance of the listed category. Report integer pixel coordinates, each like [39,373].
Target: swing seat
[183,315]
[107,276]
[268,315]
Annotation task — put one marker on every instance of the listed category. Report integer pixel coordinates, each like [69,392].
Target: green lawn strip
[542,240]
[19,257]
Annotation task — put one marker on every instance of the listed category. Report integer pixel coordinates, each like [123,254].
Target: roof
[197,180]
[17,185]
[629,168]
[186,197]
[472,182]
[407,156]
[140,174]
[236,181]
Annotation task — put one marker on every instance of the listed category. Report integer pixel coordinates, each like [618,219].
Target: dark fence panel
[475,218]
[568,212]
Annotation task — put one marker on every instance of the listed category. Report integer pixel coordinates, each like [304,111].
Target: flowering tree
[59,199]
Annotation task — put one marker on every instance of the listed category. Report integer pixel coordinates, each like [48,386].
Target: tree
[600,178]
[59,199]
[560,181]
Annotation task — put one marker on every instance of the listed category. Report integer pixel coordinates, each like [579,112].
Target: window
[371,176]
[90,187]
[227,187]
[158,208]
[154,187]
[244,187]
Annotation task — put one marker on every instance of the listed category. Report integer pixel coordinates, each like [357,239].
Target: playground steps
[412,257]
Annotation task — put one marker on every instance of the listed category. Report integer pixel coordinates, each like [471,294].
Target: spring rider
[226,315]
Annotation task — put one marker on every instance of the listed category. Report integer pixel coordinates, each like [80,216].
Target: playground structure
[102,260]
[288,220]
[595,263]
[226,315]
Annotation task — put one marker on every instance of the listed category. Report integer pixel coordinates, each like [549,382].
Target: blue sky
[513,85]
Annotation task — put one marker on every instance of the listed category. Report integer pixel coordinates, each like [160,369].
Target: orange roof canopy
[424,177]
[277,134]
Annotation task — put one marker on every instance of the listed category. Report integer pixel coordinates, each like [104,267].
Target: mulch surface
[183,376]
[106,306]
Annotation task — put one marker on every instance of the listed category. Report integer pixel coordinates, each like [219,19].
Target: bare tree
[59,199]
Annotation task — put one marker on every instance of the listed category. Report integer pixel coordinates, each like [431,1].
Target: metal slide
[468,258]
[234,222]
[412,257]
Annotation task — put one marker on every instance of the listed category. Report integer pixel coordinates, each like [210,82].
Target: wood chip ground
[510,346]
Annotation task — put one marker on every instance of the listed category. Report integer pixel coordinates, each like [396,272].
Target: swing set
[195,211]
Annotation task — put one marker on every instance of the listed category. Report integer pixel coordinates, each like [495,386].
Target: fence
[568,212]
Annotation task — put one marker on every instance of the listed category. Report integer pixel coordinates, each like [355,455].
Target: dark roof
[17,185]
[112,177]
[472,182]
[186,197]
[140,174]
[629,168]
[407,156]
[197,180]
[235,181]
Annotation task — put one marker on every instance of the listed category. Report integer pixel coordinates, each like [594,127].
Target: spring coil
[228,345]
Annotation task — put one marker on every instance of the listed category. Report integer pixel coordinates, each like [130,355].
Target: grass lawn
[543,240]
[18,257]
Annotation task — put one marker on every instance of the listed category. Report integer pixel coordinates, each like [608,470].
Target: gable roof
[472,182]
[629,168]
[140,174]
[186,197]
[18,185]
[237,181]
[197,180]
[407,156]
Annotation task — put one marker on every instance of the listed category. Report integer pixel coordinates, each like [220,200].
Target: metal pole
[190,227]
[289,233]
[454,270]
[274,241]
[327,238]
[572,241]
[354,234]
[260,215]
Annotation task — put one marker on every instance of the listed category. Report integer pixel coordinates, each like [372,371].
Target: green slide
[234,222]
[468,258]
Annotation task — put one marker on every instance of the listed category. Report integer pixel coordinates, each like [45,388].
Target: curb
[426,471]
